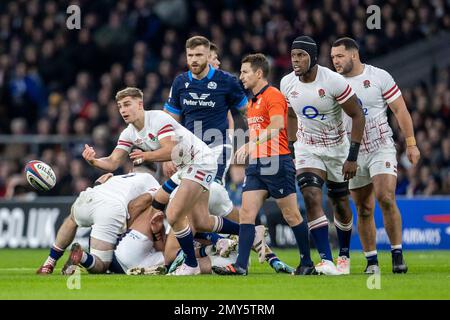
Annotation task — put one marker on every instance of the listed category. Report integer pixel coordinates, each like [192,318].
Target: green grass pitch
[428,278]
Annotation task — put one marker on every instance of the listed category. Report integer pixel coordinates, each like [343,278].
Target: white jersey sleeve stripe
[387,97]
[341,96]
[166,134]
[346,97]
[389,91]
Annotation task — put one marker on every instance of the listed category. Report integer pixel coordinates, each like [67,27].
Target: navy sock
[87,261]
[271,258]
[372,258]
[56,253]
[210,236]
[344,233]
[319,231]
[223,225]
[396,251]
[186,241]
[246,238]
[202,252]
[302,237]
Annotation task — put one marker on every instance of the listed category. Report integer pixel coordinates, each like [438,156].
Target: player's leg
[365,206]
[310,181]
[343,220]
[188,194]
[338,193]
[252,202]
[64,238]
[384,187]
[289,208]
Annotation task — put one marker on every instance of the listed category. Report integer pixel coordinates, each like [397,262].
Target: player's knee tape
[104,255]
[309,179]
[158,205]
[337,189]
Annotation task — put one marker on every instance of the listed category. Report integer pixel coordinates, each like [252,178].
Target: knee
[246,215]
[364,210]
[340,204]
[292,216]
[311,197]
[386,200]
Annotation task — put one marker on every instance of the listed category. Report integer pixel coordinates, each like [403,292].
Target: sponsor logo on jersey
[321,93]
[138,141]
[212,85]
[366,84]
[199,100]
[294,94]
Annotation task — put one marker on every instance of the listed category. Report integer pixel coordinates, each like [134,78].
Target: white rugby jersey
[158,125]
[375,88]
[317,105]
[126,187]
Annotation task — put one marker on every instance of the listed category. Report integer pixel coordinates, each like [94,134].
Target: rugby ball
[40,175]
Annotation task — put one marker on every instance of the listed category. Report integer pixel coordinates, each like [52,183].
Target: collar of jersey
[255,97]
[208,76]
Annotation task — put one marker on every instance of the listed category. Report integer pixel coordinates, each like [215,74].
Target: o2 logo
[311,112]
[365,110]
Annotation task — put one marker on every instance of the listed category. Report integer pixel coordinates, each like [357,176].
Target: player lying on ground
[376,176]
[104,208]
[221,207]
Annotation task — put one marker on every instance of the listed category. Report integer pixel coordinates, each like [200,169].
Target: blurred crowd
[56,81]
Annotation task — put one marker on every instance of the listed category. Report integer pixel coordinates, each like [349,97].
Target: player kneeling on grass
[104,208]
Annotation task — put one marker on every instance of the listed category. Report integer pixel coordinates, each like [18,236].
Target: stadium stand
[57,85]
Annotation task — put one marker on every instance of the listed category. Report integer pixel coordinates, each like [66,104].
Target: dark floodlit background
[57,85]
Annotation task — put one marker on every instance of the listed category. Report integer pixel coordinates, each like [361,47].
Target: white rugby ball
[40,175]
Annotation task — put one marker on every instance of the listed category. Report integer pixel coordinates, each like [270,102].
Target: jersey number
[365,110]
[311,113]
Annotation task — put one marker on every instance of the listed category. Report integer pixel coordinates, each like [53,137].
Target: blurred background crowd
[59,84]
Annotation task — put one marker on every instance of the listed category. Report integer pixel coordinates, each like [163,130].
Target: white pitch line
[17,269]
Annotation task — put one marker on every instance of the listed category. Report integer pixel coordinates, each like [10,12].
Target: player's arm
[172,105]
[272,130]
[138,205]
[230,124]
[292,125]
[110,163]
[177,117]
[354,111]
[401,113]
[162,154]
[158,230]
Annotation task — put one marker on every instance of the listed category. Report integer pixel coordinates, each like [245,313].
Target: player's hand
[157,224]
[244,151]
[103,178]
[89,154]
[413,154]
[138,157]
[349,169]
[169,168]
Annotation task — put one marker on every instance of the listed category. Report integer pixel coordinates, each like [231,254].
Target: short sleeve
[236,97]
[276,104]
[283,89]
[389,88]
[165,126]
[173,102]
[125,142]
[340,88]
